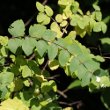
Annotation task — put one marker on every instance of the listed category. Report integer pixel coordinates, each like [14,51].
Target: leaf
[47,86]
[43,19]
[63,23]
[49,35]
[17,28]
[98,15]
[14,44]
[28,45]
[59,18]
[40,61]
[3,40]
[103,27]
[48,11]
[26,72]
[18,85]
[96,7]
[13,104]
[41,47]
[86,79]
[55,27]
[105,98]
[105,40]
[52,51]
[53,65]
[6,77]
[40,7]
[37,30]
[76,83]
[63,57]
[74,20]
[97,27]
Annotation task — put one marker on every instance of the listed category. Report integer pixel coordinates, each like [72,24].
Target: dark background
[11,10]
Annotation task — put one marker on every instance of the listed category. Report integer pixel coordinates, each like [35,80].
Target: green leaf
[26,72]
[13,44]
[63,57]
[40,7]
[48,11]
[28,45]
[43,19]
[41,47]
[52,51]
[74,84]
[18,84]
[49,35]
[17,28]
[37,30]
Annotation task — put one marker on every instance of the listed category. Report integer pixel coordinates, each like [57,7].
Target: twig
[31,57]
[70,104]
[44,67]
[62,94]
[45,2]
[52,77]
[30,19]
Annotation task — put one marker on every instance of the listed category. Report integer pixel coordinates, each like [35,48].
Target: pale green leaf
[14,44]
[43,19]
[41,47]
[63,23]
[37,30]
[49,35]
[52,51]
[59,18]
[55,27]
[97,27]
[13,104]
[96,7]
[40,7]
[63,57]
[26,72]
[28,45]
[17,28]
[48,11]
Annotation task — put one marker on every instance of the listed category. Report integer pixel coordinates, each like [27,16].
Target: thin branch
[31,57]
[70,104]
[52,77]
[62,94]
[31,18]
[44,67]
[45,2]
